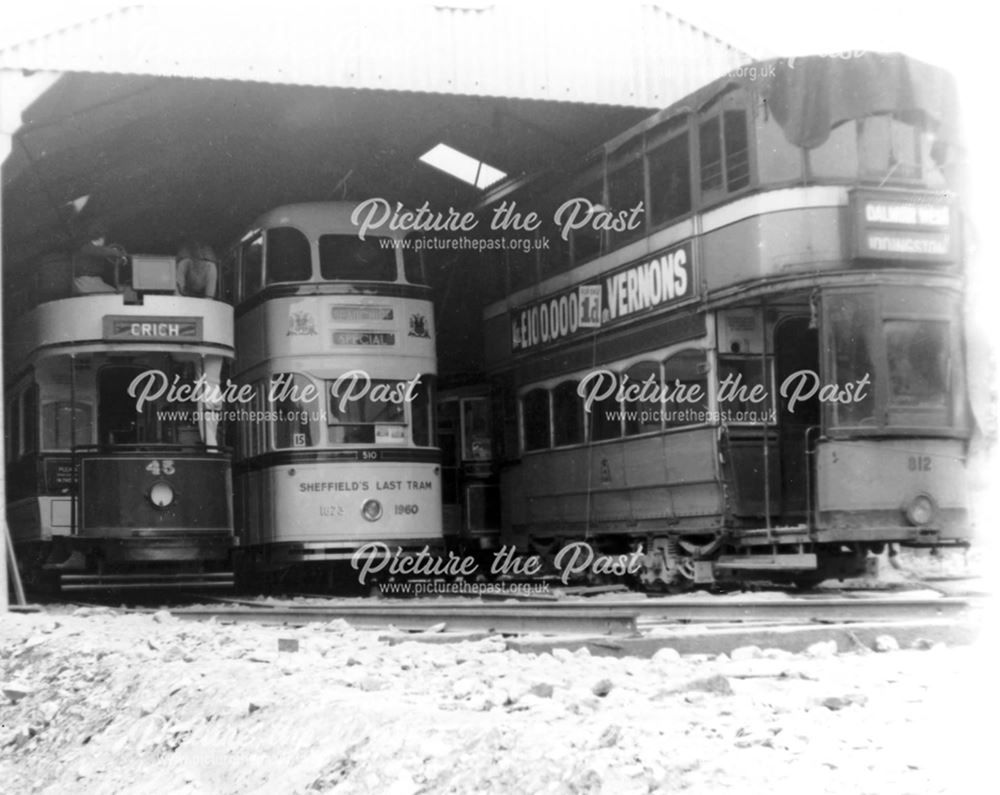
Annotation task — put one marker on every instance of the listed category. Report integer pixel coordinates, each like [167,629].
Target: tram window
[741,404]
[889,150]
[669,180]
[686,370]
[413,267]
[252,266]
[586,241]
[778,161]
[851,319]
[724,149]
[918,357]
[65,424]
[567,414]
[347,258]
[642,416]
[421,412]
[13,428]
[288,257]
[605,418]
[737,150]
[626,190]
[476,444]
[522,267]
[535,417]
[29,419]
[710,149]
[554,255]
[365,420]
[227,278]
[295,409]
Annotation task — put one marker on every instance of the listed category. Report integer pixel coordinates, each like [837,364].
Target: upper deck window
[348,258]
[288,256]
[889,150]
[585,240]
[669,177]
[627,188]
[413,267]
[724,148]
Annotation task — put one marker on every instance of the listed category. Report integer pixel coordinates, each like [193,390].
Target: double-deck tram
[793,289]
[114,479]
[335,341]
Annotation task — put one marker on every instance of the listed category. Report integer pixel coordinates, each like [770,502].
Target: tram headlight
[920,510]
[161,494]
[372,510]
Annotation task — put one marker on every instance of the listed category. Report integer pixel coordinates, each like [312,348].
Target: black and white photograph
[482,396]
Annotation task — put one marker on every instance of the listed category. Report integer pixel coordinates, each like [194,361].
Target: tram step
[805,561]
[83,582]
[782,530]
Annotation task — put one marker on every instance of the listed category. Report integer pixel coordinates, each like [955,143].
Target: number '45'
[165,467]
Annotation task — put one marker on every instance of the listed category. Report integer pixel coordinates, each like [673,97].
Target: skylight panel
[462,166]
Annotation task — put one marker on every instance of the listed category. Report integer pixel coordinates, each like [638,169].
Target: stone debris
[666,655]
[885,643]
[602,688]
[822,649]
[110,701]
[839,702]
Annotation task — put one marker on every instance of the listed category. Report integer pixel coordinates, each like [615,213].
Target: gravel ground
[99,702]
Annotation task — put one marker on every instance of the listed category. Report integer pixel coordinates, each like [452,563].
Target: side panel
[647,483]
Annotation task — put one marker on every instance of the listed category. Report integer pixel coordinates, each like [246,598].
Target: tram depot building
[683,214]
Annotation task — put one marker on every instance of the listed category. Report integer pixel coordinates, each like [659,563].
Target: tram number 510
[164,467]
[919,463]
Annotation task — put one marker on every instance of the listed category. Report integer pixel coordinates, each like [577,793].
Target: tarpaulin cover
[810,96]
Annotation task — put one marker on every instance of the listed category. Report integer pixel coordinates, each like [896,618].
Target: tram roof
[192,123]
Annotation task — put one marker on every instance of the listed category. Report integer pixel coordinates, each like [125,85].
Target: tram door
[796,352]
[469,487]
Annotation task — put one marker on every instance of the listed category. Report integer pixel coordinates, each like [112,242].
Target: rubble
[217,708]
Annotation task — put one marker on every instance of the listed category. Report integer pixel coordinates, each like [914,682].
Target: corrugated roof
[628,54]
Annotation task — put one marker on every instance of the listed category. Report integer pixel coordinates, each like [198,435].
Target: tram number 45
[919,463]
[164,467]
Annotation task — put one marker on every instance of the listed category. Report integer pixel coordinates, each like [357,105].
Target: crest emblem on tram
[301,324]
[418,327]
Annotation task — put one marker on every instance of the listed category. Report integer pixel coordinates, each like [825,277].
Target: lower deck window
[377,416]
[535,414]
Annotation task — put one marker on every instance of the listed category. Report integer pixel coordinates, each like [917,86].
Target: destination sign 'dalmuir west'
[904,226]
[655,281]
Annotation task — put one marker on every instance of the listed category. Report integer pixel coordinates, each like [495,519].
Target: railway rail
[621,617]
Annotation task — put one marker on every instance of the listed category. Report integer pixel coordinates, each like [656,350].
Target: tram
[743,351]
[335,342]
[117,471]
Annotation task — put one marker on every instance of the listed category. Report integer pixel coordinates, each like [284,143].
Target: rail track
[619,617]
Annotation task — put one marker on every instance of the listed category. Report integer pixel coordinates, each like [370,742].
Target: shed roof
[633,54]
